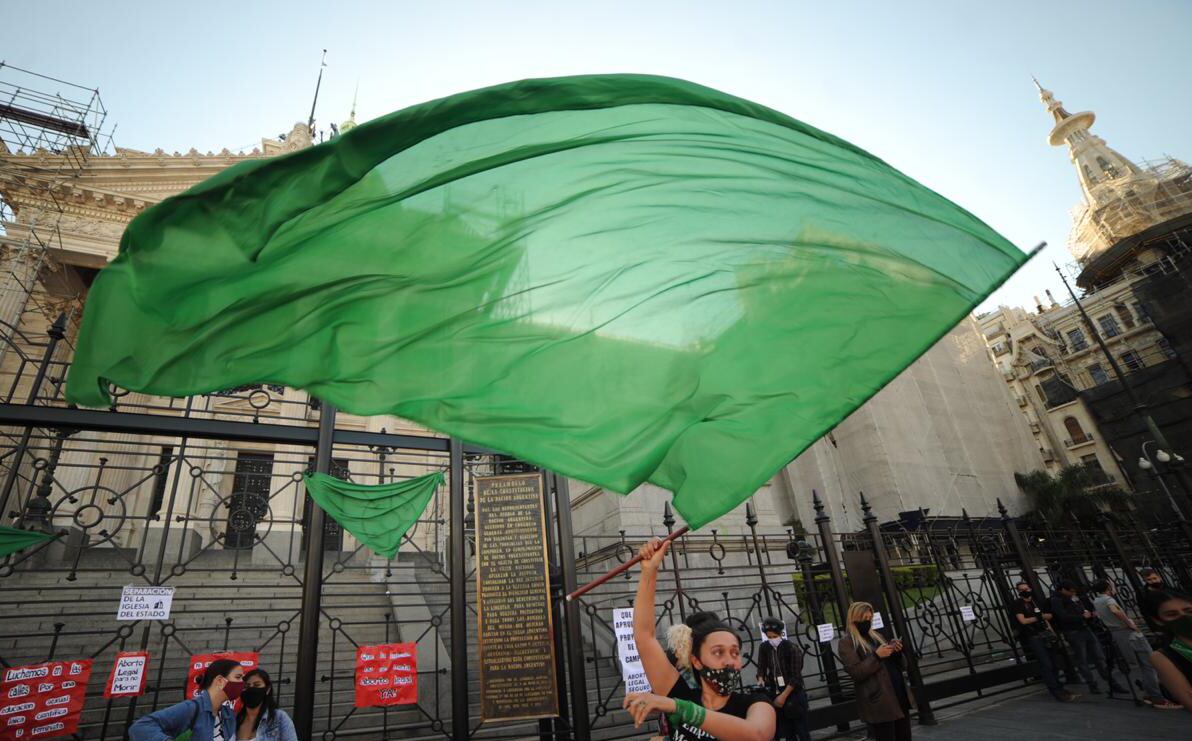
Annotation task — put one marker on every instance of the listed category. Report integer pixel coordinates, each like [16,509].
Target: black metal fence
[204,494]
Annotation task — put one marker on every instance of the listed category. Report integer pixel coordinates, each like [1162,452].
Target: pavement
[1032,715]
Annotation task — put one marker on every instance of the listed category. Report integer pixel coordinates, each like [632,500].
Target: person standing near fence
[1074,620]
[875,664]
[1130,643]
[1037,637]
[713,651]
[1173,662]
[780,671]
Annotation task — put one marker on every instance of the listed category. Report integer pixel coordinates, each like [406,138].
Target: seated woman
[205,716]
[260,719]
[716,708]
[1173,662]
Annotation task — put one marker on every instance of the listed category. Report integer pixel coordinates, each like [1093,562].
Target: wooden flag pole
[621,569]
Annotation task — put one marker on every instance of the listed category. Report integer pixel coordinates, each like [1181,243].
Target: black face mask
[864,626]
[1028,594]
[725,681]
[1181,626]
[1155,587]
[254,696]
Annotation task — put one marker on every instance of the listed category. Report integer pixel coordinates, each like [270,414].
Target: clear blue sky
[940,90]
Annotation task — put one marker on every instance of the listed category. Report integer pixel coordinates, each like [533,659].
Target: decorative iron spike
[668,517]
[750,515]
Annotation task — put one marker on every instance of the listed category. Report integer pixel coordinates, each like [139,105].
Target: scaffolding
[49,130]
[1160,191]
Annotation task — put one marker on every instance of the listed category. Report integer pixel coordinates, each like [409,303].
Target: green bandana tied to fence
[622,278]
[13,539]
[378,515]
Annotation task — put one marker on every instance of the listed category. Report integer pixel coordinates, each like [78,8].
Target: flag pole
[312,587]
[621,569]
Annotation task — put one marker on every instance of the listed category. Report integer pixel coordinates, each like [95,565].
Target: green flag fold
[379,515]
[13,539]
[621,278]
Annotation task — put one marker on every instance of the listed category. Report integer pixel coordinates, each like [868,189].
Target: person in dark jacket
[1173,662]
[205,715]
[780,671]
[875,664]
[1073,619]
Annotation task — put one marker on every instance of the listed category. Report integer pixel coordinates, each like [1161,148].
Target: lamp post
[1162,456]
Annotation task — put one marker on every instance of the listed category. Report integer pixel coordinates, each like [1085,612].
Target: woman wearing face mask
[716,708]
[205,715]
[260,719]
[876,666]
[1173,662]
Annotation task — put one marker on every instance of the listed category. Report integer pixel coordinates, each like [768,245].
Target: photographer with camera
[780,672]
[1038,639]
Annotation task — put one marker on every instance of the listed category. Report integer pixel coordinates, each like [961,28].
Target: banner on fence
[42,700]
[386,674]
[128,675]
[199,662]
[632,670]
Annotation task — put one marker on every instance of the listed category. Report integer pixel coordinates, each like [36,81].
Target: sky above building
[940,90]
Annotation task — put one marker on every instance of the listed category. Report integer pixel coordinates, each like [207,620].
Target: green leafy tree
[1079,493]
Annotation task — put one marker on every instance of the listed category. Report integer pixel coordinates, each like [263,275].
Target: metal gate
[204,495]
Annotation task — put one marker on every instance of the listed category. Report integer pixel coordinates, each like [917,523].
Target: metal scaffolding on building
[49,130]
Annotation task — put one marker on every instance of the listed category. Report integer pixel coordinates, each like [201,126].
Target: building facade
[1131,238]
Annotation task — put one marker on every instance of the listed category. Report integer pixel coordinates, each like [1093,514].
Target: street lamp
[1161,455]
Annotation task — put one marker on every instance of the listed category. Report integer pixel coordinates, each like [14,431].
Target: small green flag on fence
[621,278]
[13,539]
[379,515]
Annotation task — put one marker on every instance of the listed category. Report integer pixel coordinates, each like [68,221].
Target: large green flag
[378,514]
[622,278]
[14,539]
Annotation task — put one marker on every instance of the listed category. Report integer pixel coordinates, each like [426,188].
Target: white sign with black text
[826,632]
[632,670]
[966,612]
[878,623]
[145,603]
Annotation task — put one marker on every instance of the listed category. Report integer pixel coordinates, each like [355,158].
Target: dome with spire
[1120,198]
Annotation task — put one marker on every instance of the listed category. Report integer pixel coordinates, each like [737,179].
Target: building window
[161,474]
[1109,326]
[249,502]
[1076,340]
[1041,393]
[1132,360]
[1166,349]
[1098,374]
[1075,430]
[1089,176]
[1142,315]
[1125,315]
[1090,462]
[1001,348]
[1107,168]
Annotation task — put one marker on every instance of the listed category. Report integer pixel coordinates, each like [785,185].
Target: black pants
[1037,645]
[895,730]
[792,718]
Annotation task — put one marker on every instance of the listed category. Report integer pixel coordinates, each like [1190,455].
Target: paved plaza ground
[1033,716]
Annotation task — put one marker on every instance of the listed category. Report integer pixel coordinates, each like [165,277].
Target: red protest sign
[386,675]
[128,675]
[42,700]
[199,662]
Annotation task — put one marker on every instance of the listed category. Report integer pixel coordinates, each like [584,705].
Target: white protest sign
[878,623]
[966,612]
[826,632]
[145,603]
[632,670]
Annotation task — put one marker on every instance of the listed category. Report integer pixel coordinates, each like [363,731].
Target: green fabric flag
[622,278]
[13,539]
[378,515]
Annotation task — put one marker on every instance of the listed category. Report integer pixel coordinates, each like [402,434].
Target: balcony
[1077,442]
[1040,363]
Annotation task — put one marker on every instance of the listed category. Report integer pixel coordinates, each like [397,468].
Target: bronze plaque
[517,649]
